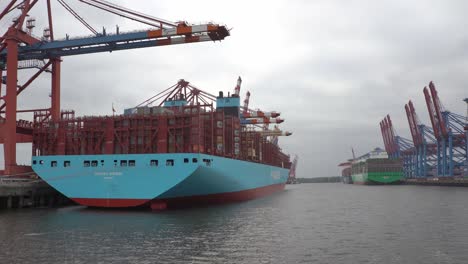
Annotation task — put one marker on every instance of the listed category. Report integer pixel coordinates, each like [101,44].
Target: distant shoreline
[319,179]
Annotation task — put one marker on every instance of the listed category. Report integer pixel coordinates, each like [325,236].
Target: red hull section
[359,183]
[188,201]
[219,198]
[110,202]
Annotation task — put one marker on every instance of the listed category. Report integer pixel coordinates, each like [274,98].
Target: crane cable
[129,14]
[69,9]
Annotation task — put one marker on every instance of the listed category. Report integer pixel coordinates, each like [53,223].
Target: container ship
[182,147]
[375,168]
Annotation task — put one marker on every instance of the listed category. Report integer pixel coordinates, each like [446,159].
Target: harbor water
[307,223]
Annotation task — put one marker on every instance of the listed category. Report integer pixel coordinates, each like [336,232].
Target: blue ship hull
[157,180]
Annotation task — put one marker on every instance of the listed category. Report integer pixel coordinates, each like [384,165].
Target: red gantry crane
[396,146]
[424,140]
[19,49]
[440,151]
[452,154]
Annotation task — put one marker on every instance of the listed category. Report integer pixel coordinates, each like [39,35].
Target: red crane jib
[432,115]
[437,106]
[419,136]
[411,125]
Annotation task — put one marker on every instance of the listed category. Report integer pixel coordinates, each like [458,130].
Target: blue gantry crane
[437,151]
[449,130]
[425,145]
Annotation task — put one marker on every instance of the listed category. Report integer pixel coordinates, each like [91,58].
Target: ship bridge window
[53,163]
[86,163]
[131,163]
[207,162]
[66,163]
[123,163]
[186,160]
[154,163]
[170,162]
[194,160]
[94,163]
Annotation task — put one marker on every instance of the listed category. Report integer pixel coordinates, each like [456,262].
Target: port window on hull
[123,163]
[131,163]
[170,162]
[94,163]
[53,163]
[194,160]
[154,163]
[41,162]
[34,162]
[86,163]
[207,162]
[186,160]
[66,163]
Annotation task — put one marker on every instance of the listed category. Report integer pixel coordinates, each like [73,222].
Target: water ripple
[308,223]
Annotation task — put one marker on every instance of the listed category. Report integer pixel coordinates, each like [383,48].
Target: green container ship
[377,171]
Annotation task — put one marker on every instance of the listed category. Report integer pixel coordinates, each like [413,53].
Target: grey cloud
[333,68]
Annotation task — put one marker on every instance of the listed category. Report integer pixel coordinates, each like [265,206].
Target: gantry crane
[19,49]
[452,149]
[251,119]
[440,151]
[424,144]
[256,117]
[397,147]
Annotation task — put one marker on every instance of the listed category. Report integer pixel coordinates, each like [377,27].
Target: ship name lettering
[104,173]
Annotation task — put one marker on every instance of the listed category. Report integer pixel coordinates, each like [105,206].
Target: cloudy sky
[333,68]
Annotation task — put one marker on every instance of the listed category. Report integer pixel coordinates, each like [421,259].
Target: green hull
[378,178]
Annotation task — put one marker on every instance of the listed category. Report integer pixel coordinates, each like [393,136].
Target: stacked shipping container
[181,129]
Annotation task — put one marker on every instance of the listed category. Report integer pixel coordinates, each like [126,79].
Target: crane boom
[269,133]
[411,124]
[259,120]
[417,130]
[432,114]
[149,38]
[384,136]
[245,108]
[238,86]
[392,135]
[388,136]
[259,113]
[438,109]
